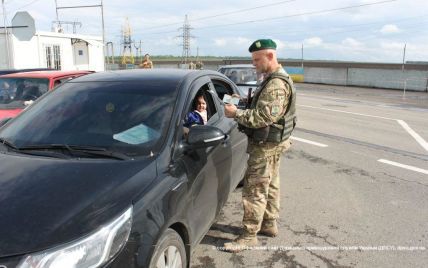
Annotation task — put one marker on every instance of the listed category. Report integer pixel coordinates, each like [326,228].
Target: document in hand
[230,99]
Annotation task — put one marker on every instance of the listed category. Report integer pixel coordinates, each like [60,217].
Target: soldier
[192,66]
[268,124]
[199,65]
[147,63]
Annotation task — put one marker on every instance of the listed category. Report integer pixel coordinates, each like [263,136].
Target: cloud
[243,41]
[351,42]
[389,29]
[220,42]
[392,46]
[313,42]
[279,44]
[232,41]
[348,34]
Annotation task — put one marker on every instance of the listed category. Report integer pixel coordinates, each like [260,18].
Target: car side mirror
[204,136]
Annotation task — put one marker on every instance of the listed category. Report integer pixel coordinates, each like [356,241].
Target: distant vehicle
[19,89]
[243,75]
[101,172]
[246,77]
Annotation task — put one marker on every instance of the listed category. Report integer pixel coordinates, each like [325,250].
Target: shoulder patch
[275,108]
[275,85]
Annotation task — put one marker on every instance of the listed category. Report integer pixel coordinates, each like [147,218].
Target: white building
[28,48]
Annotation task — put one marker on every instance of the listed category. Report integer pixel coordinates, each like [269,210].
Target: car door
[204,179]
[237,142]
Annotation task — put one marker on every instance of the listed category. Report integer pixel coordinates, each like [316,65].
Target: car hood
[45,202]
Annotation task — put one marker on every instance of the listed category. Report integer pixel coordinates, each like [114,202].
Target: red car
[18,90]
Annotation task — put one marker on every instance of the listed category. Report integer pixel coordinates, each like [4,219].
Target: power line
[284,17]
[244,10]
[8,2]
[223,14]
[21,7]
[299,14]
[29,4]
[291,31]
[186,40]
[295,32]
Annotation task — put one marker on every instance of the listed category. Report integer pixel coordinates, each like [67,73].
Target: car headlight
[89,252]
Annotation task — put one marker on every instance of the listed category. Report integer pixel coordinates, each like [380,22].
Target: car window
[241,75]
[59,81]
[14,91]
[193,116]
[210,105]
[108,115]
[222,88]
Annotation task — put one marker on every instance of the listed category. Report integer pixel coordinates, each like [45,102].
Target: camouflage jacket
[267,110]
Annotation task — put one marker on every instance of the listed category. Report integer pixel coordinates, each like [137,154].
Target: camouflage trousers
[260,195]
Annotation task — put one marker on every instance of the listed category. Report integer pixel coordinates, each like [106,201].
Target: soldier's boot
[269,228]
[243,242]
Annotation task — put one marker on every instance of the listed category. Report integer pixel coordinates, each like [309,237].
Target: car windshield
[241,75]
[130,119]
[14,91]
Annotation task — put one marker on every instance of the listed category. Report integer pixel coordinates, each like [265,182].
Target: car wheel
[169,251]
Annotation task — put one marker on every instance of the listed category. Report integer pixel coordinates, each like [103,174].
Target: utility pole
[56,10]
[104,32]
[302,56]
[101,6]
[6,36]
[197,54]
[186,40]
[127,56]
[57,17]
[112,52]
[402,70]
[138,54]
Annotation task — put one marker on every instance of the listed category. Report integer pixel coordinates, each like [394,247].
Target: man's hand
[230,110]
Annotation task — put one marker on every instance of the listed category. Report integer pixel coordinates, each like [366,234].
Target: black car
[101,172]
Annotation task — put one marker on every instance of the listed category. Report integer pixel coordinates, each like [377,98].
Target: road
[354,186]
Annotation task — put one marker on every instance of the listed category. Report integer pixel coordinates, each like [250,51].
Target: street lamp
[6,36]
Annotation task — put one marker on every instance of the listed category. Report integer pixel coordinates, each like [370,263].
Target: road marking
[420,170]
[308,141]
[415,135]
[339,111]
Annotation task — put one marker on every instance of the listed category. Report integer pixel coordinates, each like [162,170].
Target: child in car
[199,115]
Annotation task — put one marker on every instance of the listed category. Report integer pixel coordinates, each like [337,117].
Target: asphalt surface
[354,186]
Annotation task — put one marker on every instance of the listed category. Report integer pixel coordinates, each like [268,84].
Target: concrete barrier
[372,75]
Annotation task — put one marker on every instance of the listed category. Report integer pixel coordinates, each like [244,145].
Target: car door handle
[226,140]
[178,185]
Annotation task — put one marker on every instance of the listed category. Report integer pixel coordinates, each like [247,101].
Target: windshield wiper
[8,143]
[73,149]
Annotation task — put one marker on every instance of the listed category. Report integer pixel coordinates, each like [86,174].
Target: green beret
[262,44]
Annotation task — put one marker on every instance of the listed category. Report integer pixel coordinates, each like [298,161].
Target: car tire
[169,251]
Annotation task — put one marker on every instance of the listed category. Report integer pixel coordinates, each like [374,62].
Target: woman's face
[201,105]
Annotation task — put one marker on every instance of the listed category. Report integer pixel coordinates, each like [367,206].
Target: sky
[344,30]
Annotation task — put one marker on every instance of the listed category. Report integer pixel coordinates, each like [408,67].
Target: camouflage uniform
[192,66]
[260,194]
[199,65]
